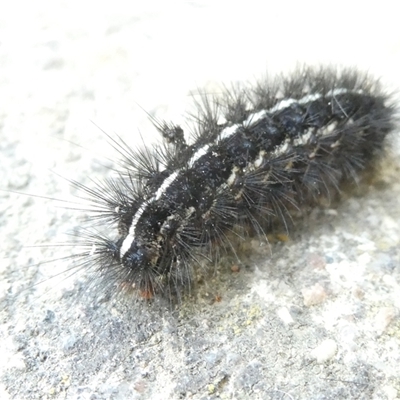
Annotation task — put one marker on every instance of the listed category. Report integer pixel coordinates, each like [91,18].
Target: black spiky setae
[256,154]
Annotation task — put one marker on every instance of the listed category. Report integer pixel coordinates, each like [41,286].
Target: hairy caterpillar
[257,154]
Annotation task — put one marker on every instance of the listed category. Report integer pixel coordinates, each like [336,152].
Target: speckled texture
[313,317]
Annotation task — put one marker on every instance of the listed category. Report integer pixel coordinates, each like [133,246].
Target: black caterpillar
[257,154]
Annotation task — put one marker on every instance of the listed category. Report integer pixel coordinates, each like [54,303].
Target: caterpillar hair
[256,155]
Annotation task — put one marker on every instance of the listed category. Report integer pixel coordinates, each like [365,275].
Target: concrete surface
[315,317]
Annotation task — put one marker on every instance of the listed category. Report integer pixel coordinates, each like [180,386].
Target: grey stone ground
[316,317]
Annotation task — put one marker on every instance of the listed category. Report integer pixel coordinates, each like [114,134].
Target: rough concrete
[315,317]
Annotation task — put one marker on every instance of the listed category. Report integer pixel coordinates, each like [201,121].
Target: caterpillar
[256,155]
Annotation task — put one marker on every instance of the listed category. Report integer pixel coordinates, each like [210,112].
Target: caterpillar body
[257,153]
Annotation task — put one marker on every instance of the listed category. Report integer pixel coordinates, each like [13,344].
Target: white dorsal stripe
[200,152]
[167,182]
[280,105]
[130,237]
